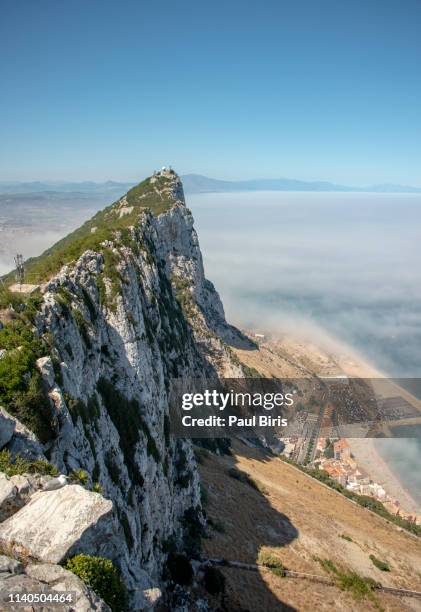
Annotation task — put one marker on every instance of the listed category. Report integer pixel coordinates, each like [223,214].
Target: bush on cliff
[179,569]
[17,465]
[101,575]
[21,390]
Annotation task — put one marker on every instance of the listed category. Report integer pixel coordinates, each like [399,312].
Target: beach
[369,459]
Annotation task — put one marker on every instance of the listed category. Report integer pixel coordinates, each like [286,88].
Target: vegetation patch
[101,575]
[79,477]
[17,465]
[82,326]
[97,488]
[88,413]
[107,225]
[22,392]
[272,562]
[381,565]
[346,537]
[127,419]
[347,580]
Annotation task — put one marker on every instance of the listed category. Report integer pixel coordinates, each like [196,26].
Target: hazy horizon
[81,184]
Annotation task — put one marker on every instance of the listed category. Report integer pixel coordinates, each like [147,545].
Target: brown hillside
[297,519]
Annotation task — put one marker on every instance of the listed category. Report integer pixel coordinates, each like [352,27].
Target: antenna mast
[20,270]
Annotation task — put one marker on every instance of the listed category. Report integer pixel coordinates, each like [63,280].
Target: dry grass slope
[296,519]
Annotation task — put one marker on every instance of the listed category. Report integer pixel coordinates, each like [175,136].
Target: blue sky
[102,89]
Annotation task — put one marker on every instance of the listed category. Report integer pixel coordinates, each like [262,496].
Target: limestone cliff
[130,310]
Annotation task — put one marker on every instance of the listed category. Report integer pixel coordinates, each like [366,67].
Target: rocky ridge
[119,322]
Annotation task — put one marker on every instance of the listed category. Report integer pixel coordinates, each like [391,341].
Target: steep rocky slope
[129,310]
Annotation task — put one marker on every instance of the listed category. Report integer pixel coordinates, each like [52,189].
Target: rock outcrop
[133,311]
[17,579]
[53,523]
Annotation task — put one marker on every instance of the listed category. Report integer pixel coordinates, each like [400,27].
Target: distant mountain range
[197,183]
[60,186]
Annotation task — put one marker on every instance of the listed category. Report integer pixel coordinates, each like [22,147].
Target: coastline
[377,469]
[365,451]
[283,355]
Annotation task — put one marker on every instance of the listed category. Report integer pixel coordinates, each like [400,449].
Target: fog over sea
[305,263]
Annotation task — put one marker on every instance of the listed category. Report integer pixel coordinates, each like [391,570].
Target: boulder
[41,577]
[7,427]
[8,493]
[57,524]
[15,492]
[18,438]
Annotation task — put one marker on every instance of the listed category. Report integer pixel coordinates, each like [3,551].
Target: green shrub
[346,537]
[41,466]
[79,477]
[348,580]
[21,389]
[97,488]
[101,575]
[179,569]
[82,326]
[271,562]
[381,565]
[13,466]
[8,298]
[214,580]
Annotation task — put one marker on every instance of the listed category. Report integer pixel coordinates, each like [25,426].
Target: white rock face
[7,427]
[119,337]
[15,492]
[49,526]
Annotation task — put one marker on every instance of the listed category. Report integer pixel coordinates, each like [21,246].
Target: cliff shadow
[243,526]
